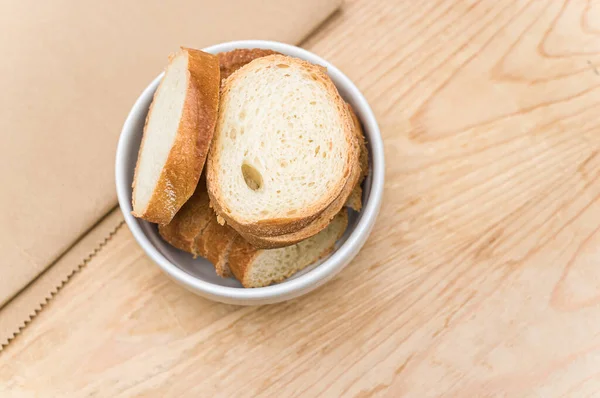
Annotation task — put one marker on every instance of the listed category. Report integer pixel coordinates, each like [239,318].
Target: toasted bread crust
[195,229]
[243,255]
[360,136]
[354,201]
[284,225]
[233,60]
[186,159]
[189,222]
[355,198]
[214,245]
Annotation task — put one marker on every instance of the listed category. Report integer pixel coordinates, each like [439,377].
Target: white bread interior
[161,130]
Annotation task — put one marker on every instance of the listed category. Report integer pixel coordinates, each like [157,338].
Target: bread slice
[233,60]
[256,268]
[190,221]
[283,148]
[351,196]
[177,135]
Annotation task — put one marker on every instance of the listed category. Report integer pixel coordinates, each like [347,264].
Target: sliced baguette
[351,196]
[283,149]
[177,135]
[233,60]
[189,222]
[257,268]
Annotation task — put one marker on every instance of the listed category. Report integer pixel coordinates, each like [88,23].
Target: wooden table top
[481,277]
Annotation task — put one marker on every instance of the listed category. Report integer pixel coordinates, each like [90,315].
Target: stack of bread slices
[250,159]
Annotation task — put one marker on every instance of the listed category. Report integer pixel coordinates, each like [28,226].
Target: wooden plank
[481,277]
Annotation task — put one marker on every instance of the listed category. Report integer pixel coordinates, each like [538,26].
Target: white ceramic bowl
[198,275]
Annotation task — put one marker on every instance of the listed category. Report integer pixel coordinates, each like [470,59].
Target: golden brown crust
[214,245]
[233,60]
[189,222]
[243,255]
[354,201]
[186,159]
[355,198]
[288,225]
[360,136]
[195,229]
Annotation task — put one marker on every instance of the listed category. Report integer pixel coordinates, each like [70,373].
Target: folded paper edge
[20,311]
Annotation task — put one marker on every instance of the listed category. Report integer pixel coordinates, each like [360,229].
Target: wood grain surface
[481,277]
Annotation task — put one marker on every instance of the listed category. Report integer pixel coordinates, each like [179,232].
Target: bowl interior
[201,268]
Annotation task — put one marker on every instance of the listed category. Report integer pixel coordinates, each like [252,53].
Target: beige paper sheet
[70,72]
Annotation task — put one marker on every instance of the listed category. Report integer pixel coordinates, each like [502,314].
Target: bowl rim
[312,278]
